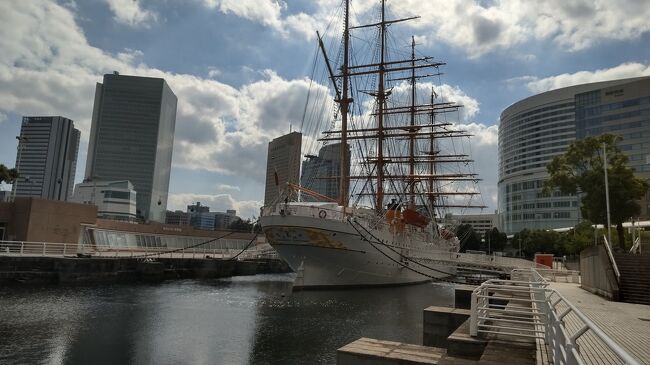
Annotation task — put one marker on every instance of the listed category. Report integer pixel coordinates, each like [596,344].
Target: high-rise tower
[282,165]
[132,137]
[47,158]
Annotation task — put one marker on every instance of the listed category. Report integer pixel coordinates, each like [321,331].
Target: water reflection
[245,320]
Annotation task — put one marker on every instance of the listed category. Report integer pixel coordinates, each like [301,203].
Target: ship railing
[62,249]
[524,307]
[313,211]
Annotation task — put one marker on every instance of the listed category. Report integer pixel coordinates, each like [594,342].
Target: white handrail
[608,248]
[636,245]
[57,249]
[543,317]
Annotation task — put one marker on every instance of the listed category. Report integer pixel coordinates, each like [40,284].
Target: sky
[240,69]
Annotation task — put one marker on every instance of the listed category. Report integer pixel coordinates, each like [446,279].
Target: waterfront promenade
[626,323]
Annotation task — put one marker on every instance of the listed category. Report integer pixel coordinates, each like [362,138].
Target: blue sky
[232,62]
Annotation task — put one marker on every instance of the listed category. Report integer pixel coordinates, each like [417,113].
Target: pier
[53,263]
[529,318]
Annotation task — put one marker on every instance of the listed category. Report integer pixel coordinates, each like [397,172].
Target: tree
[580,169]
[493,240]
[245,226]
[469,240]
[7,175]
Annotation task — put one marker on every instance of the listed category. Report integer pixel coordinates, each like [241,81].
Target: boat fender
[322,214]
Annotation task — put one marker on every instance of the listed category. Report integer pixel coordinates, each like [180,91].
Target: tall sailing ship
[384,227]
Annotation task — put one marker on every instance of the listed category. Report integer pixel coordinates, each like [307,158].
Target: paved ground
[627,324]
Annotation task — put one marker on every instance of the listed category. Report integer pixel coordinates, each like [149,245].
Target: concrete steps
[635,278]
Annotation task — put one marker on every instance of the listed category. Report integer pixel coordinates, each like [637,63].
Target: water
[243,320]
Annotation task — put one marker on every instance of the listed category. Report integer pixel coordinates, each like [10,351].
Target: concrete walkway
[627,324]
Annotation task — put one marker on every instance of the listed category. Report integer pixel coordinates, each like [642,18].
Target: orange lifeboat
[414,218]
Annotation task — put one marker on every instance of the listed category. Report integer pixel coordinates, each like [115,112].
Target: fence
[525,307]
[54,249]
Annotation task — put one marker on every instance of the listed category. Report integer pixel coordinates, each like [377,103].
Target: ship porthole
[322,214]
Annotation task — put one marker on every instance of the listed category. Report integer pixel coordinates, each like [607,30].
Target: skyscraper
[282,165]
[132,137]
[47,158]
[327,164]
[536,129]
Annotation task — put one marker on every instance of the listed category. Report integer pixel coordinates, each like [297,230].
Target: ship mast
[432,166]
[412,137]
[345,104]
[412,131]
[381,98]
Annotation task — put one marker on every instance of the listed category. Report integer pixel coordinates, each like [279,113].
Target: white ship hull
[333,253]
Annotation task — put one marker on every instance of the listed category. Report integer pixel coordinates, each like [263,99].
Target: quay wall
[67,270]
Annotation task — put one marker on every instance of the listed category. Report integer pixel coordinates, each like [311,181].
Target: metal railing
[610,254]
[525,307]
[559,276]
[636,247]
[56,249]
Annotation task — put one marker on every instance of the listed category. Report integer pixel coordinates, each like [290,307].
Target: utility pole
[609,221]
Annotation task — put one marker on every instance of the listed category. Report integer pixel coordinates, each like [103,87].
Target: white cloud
[475,26]
[625,70]
[130,13]
[47,62]
[266,12]
[226,187]
[3,117]
[217,203]
[213,72]
[482,148]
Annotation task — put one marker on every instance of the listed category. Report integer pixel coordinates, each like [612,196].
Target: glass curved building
[536,129]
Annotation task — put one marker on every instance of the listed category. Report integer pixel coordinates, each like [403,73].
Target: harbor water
[240,320]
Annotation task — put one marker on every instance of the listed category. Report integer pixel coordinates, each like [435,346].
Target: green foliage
[245,226]
[558,243]
[580,169]
[493,240]
[469,240]
[7,175]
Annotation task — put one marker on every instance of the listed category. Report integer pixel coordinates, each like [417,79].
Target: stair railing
[608,248]
[636,247]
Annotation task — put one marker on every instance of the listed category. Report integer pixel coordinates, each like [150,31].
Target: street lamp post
[609,221]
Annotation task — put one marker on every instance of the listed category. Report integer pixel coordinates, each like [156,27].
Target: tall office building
[132,137]
[282,165]
[316,170]
[47,158]
[536,129]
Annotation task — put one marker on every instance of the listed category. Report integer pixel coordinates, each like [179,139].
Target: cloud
[475,26]
[444,93]
[622,71]
[226,187]
[217,203]
[482,148]
[265,12]
[3,117]
[130,13]
[47,62]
